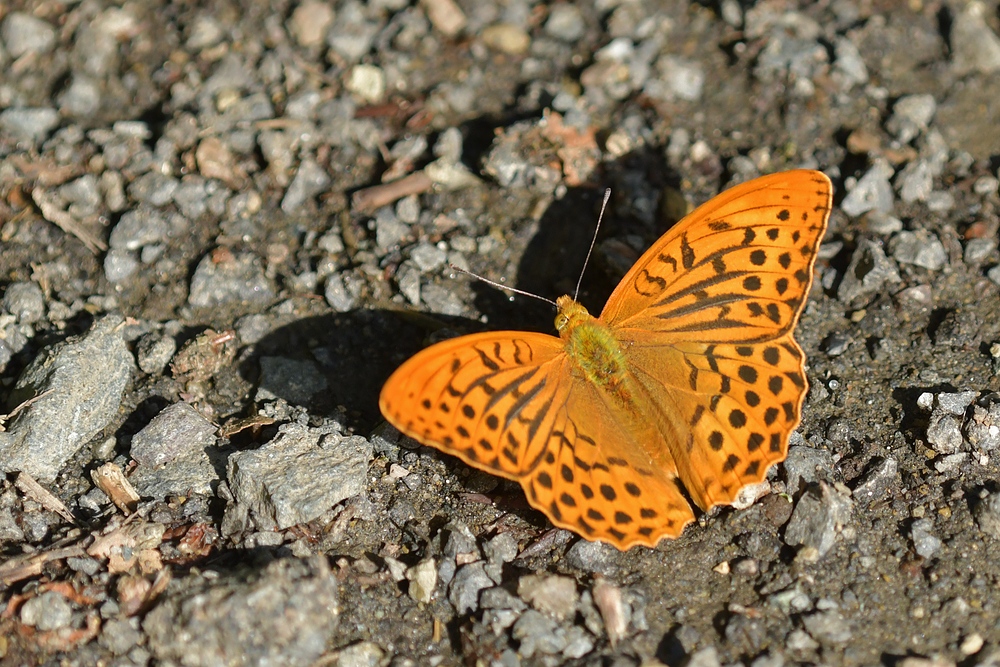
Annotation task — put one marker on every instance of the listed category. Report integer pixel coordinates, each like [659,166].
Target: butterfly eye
[561,322]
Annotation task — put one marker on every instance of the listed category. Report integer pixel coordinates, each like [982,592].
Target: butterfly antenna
[502,286]
[593,242]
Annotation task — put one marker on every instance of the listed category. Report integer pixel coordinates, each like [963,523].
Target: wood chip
[110,479]
[24,567]
[369,199]
[32,489]
[66,222]
[234,426]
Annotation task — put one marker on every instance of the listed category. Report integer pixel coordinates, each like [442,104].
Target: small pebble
[310,21]
[23,33]
[506,37]
[48,611]
[25,301]
[918,248]
[975,47]
[565,22]
[872,192]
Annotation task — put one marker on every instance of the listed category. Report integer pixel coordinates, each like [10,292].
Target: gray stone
[925,543]
[868,271]
[880,222]
[252,328]
[310,180]
[849,64]
[994,274]
[283,615]
[176,432]
[872,192]
[538,634]
[916,181]
[920,248]
[836,344]
[10,531]
[408,281]
[463,591]
[83,196]
[578,642]
[24,301]
[29,124]
[595,557]
[120,265]
[352,34]
[951,462]
[819,517]
[119,636]
[48,611]
[978,250]
[337,295]
[192,197]
[457,539]
[299,474]
[238,278]
[440,299]
[78,385]
[975,47]
[944,432]
[501,598]
[876,481]
[296,381]
[828,627]
[679,79]
[153,188]
[955,403]
[389,230]
[361,654]
[987,515]
[153,352]
[428,257]
[501,548]
[983,427]
[806,465]
[911,115]
[23,33]
[705,657]
[331,242]
[565,23]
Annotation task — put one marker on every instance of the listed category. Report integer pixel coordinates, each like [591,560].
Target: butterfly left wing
[510,403]
[482,398]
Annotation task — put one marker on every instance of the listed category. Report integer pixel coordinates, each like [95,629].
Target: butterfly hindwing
[482,397]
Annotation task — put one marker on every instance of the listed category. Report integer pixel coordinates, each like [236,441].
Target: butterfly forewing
[738,268]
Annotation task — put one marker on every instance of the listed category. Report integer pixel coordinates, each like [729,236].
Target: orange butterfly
[687,386]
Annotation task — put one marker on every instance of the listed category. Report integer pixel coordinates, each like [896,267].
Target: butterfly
[685,389]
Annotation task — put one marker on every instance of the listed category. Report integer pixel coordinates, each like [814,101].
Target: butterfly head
[571,314]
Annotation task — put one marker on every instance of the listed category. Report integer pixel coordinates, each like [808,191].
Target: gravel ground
[223,226]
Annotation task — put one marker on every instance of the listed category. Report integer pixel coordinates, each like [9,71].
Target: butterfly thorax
[592,346]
